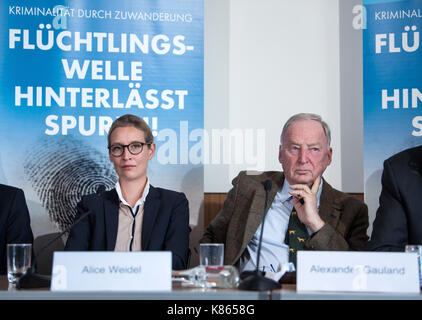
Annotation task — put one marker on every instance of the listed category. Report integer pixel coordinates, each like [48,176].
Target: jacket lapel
[415,162]
[151,206]
[111,212]
[257,208]
[329,208]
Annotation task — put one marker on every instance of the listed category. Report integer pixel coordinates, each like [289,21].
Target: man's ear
[280,153]
[330,156]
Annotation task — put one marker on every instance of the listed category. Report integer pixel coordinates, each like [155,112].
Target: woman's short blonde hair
[130,120]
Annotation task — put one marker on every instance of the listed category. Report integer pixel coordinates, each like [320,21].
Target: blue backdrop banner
[67,71]
[392,77]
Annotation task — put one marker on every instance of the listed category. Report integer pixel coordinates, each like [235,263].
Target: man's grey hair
[307,116]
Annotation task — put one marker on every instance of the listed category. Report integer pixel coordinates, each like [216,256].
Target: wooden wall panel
[213,202]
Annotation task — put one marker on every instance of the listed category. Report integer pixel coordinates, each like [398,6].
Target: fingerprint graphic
[61,170]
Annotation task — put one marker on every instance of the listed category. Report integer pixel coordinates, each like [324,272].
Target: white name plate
[357,271]
[111,271]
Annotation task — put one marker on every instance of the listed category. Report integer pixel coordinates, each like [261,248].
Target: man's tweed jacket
[346,217]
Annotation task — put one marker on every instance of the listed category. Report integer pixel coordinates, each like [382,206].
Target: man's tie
[296,236]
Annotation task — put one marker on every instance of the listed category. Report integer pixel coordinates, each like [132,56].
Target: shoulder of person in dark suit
[14,210]
[401,188]
[15,222]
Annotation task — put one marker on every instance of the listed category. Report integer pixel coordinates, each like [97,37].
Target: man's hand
[306,204]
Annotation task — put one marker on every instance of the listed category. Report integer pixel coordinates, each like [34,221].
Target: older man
[305,212]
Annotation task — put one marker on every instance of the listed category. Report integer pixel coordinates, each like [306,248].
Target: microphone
[255,280]
[32,279]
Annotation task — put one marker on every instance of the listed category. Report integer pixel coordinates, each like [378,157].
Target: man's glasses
[134,148]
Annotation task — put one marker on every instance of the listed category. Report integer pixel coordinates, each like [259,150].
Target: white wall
[264,61]
[351,98]
[216,83]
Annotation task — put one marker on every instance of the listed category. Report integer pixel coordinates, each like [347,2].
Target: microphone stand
[256,280]
[32,279]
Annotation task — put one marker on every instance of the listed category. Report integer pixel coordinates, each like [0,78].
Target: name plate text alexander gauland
[357,271]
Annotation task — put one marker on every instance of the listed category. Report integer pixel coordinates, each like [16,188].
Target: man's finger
[315,186]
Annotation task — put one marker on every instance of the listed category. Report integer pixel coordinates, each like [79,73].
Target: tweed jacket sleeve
[217,230]
[346,222]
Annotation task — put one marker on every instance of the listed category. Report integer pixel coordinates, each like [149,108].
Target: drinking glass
[18,261]
[211,254]
[413,248]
